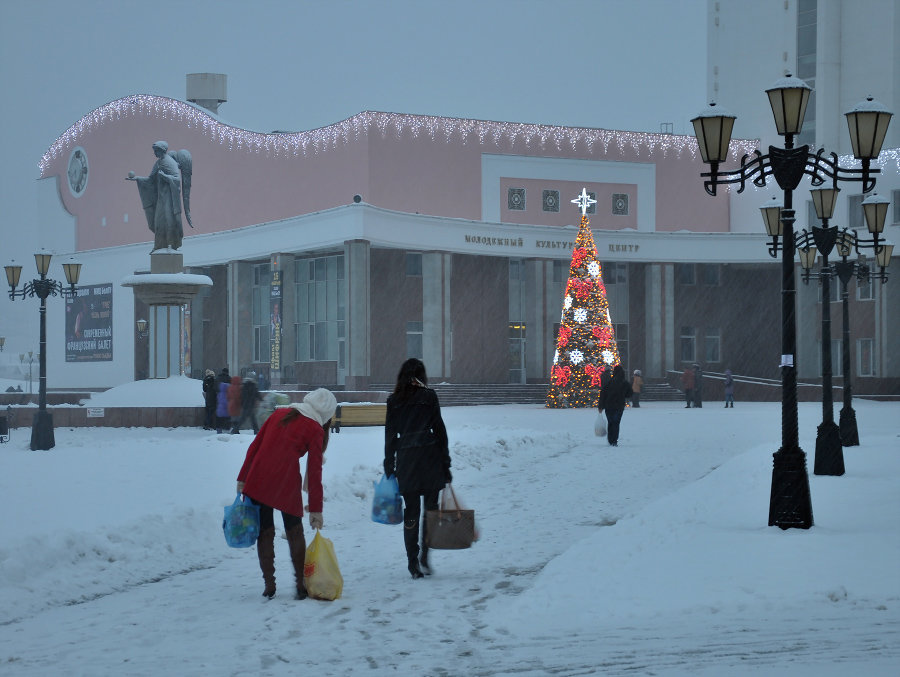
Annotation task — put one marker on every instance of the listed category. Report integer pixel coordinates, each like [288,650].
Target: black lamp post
[789,504]
[829,453]
[42,426]
[875,210]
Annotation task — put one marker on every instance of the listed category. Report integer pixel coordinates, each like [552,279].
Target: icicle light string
[356,127]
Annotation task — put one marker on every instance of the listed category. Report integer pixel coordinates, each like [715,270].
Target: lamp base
[849,432]
[790,506]
[42,437]
[829,454]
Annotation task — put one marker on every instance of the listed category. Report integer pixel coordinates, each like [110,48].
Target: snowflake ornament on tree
[586,342]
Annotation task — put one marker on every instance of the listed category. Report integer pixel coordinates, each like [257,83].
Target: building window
[592,207]
[812,219]
[865,357]
[560,271]
[688,344]
[413,264]
[259,311]
[865,290]
[414,340]
[895,198]
[835,357]
[614,273]
[515,199]
[620,204]
[320,311]
[712,345]
[621,331]
[806,64]
[550,200]
[710,273]
[855,217]
[515,269]
[684,273]
[834,289]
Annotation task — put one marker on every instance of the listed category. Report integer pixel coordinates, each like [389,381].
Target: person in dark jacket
[250,398]
[698,386]
[729,389]
[210,396]
[613,396]
[417,452]
[271,478]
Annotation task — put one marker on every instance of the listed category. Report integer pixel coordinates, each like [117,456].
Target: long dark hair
[294,413]
[410,377]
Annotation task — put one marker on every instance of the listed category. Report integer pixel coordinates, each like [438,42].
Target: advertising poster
[89,335]
[275,321]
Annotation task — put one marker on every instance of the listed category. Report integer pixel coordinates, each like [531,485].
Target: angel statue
[161,194]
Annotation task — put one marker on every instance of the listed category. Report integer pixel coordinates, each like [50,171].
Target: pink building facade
[338,252]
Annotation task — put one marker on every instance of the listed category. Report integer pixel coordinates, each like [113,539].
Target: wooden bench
[364,414]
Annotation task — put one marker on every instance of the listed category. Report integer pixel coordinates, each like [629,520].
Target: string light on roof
[320,140]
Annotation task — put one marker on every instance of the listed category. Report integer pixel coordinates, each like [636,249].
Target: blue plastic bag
[387,505]
[241,523]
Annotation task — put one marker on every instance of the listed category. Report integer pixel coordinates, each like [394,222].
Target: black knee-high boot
[411,541]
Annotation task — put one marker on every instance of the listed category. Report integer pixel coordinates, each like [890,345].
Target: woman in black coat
[613,396]
[417,452]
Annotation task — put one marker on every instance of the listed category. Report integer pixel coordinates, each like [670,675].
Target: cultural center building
[336,253]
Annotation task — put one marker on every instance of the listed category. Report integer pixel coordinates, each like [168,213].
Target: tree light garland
[586,342]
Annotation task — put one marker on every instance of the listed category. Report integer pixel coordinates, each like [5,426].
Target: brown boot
[297,545]
[265,548]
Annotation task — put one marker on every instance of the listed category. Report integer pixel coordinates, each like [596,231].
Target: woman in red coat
[271,477]
[234,401]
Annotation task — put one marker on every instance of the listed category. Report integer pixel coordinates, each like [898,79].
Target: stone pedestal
[166,289]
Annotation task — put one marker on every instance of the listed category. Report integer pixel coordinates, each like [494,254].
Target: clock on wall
[77,171]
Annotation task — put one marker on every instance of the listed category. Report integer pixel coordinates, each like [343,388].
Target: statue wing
[186,165]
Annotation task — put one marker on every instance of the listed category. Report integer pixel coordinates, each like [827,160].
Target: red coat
[271,470]
[234,397]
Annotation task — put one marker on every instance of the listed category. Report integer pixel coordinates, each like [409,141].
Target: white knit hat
[319,405]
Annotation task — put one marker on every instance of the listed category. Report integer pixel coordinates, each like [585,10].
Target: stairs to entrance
[660,391]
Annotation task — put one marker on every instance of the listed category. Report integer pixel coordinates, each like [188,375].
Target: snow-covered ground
[650,558]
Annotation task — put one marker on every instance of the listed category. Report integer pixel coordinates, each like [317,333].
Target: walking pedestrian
[417,452]
[210,395]
[698,386]
[729,389]
[636,384]
[613,396]
[687,384]
[233,395]
[250,398]
[222,386]
[272,479]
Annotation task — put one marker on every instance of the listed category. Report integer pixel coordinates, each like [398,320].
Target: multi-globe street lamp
[875,211]
[790,505]
[42,426]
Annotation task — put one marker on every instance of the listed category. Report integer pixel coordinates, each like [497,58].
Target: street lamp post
[875,211]
[829,452]
[789,504]
[42,426]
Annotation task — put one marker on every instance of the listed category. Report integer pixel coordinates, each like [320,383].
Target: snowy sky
[301,64]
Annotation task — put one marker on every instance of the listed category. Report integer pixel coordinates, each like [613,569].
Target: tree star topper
[584,201]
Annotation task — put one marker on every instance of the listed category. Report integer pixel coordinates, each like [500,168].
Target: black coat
[210,391]
[614,394]
[249,396]
[415,443]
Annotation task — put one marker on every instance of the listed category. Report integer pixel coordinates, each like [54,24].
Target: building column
[537,336]
[436,324]
[357,273]
[659,310]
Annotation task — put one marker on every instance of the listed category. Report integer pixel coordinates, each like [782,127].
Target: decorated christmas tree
[586,344]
